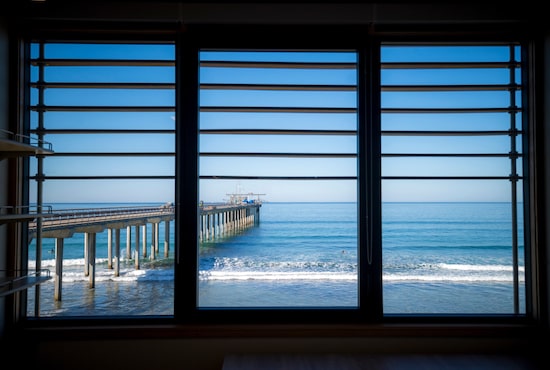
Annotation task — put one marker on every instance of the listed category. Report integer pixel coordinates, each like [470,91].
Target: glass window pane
[452,224]
[278,180]
[107,236]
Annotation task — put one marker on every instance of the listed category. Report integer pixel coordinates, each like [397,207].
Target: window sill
[175,331]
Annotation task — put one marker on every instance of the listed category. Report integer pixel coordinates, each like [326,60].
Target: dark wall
[198,350]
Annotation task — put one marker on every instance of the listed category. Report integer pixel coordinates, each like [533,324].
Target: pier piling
[58,277]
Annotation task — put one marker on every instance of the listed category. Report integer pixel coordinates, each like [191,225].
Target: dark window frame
[368,46]
[188,44]
[302,38]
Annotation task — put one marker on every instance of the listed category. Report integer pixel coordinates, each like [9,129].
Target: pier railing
[84,215]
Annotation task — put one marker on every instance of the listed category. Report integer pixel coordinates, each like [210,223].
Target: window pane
[278,180]
[452,224]
[108,234]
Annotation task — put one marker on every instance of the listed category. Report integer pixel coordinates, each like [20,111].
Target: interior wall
[277,12]
[3,163]
[209,353]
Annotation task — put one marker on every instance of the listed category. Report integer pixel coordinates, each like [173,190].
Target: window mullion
[514,182]
[187,87]
[370,236]
[530,185]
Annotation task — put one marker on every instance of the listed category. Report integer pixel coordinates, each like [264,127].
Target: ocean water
[438,258]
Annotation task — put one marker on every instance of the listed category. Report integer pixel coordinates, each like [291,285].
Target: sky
[155,190]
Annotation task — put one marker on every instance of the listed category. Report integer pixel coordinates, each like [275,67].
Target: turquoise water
[437,258]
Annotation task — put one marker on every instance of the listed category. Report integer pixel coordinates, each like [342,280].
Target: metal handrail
[65,216]
[27,139]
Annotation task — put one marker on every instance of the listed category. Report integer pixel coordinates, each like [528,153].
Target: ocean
[438,258]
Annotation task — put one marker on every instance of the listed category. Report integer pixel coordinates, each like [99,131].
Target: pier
[215,221]
[222,220]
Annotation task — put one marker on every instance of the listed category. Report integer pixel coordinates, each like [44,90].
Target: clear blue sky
[294,190]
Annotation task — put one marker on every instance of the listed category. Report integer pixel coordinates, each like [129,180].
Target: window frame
[367,42]
[301,39]
[370,308]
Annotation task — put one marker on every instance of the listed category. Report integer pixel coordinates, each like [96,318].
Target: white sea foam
[449,278]
[237,269]
[267,275]
[50,263]
[468,267]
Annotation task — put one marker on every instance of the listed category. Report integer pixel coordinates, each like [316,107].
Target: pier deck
[65,223]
